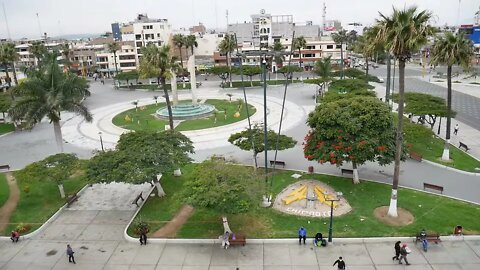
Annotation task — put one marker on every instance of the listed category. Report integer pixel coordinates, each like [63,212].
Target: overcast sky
[60,17]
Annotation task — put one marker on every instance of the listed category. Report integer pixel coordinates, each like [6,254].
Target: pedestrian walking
[340,264]
[15,236]
[397,251]
[143,238]
[302,234]
[70,254]
[403,254]
[455,129]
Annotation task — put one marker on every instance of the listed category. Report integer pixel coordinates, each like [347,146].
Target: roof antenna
[6,21]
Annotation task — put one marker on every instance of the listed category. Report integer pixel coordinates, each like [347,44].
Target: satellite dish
[262,11]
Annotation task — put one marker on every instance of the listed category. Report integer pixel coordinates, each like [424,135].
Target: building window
[127,64]
[338,46]
[139,44]
[329,46]
[158,35]
[138,37]
[312,47]
[148,27]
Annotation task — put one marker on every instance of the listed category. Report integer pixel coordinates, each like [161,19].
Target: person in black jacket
[340,263]
[397,251]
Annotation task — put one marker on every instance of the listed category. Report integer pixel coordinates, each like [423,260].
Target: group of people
[401,252]
[317,241]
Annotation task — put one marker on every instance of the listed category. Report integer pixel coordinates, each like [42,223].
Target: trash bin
[458,230]
[310,169]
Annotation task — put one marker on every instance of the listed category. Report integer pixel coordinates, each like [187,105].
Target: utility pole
[226,15]
[6,21]
[324,16]
[39,26]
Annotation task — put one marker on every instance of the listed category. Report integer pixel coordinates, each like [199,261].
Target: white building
[126,59]
[146,30]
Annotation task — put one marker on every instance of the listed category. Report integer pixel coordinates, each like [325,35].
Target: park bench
[277,162]
[240,240]
[138,198]
[199,84]
[72,198]
[432,186]
[464,146]
[349,171]
[5,167]
[435,237]
[415,156]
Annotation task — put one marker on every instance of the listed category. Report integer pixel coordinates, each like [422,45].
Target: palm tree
[38,50]
[8,56]
[65,48]
[179,42]
[113,48]
[340,38]
[191,42]
[278,49]
[298,44]
[404,32]
[367,45]
[451,50]
[47,93]
[227,46]
[158,62]
[323,68]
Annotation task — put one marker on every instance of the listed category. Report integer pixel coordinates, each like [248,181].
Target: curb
[450,168]
[127,237]
[8,133]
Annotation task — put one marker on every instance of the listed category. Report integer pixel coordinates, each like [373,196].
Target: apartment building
[126,59]
[26,58]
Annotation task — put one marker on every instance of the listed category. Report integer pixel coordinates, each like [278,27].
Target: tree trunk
[356,179]
[115,60]
[173,83]
[160,191]
[255,161]
[392,210]
[446,150]
[169,105]
[366,70]
[58,135]
[300,64]
[177,172]
[62,191]
[181,57]
[229,68]
[14,73]
[251,81]
[7,77]
[341,59]
[193,79]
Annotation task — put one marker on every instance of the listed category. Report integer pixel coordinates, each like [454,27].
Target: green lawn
[144,119]
[41,201]
[423,141]
[4,189]
[435,213]
[6,127]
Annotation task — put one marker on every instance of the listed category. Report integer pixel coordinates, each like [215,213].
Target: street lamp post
[330,229]
[101,141]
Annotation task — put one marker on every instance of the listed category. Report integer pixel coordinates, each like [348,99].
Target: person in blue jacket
[302,234]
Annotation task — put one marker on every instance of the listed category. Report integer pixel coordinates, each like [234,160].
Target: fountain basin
[187,111]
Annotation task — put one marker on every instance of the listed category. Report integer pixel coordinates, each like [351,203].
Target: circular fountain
[187,111]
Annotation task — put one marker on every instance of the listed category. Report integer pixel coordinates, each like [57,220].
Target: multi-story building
[146,30]
[125,59]
[26,58]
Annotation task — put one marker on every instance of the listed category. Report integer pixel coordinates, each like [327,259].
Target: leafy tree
[227,46]
[323,68]
[5,103]
[340,38]
[38,49]
[114,47]
[191,42]
[66,52]
[353,130]
[127,76]
[139,156]
[403,33]
[298,44]
[226,188]
[249,71]
[424,105]
[47,93]
[334,96]
[179,42]
[288,71]
[349,85]
[451,50]
[253,140]
[158,62]
[223,72]
[8,57]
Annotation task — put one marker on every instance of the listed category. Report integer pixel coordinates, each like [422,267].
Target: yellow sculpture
[301,193]
[127,118]
[236,115]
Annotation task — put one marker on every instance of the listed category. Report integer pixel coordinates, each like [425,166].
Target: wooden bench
[435,237]
[349,171]
[72,198]
[277,162]
[239,240]
[138,198]
[5,167]
[464,146]
[415,156]
[432,186]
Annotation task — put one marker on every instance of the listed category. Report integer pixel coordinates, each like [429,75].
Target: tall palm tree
[113,48]
[298,44]
[278,49]
[451,50]
[47,93]
[65,49]
[38,49]
[8,57]
[368,45]
[191,42]
[158,62]
[179,42]
[323,68]
[227,46]
[340,38]
[404,32]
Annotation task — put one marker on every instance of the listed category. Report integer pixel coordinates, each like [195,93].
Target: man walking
[302,234]
[340,263]
[70,254]
[397,251]
[455,129]
[403,254]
